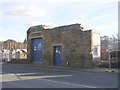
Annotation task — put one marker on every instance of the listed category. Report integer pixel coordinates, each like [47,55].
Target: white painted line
[41,77]
[27,76]
[85,86]
[25,73]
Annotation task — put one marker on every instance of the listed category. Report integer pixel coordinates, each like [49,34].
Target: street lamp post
[109,57]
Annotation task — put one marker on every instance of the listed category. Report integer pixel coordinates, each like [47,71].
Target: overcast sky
[17,16]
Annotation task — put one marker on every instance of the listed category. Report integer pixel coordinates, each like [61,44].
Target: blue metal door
[37,50]
[57,55]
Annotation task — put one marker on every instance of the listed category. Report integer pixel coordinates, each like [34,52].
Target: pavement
[36,76]
[71,69]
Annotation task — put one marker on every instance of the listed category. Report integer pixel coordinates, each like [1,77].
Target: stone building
[13,45]
[66,45]
[10,49]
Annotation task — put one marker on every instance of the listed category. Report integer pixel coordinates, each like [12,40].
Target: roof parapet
[76,26]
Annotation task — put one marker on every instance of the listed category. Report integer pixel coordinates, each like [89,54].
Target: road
[19,76]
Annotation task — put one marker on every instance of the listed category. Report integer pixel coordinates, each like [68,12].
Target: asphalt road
[19,76]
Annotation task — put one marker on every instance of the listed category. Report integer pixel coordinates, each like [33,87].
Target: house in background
[10,49]
[13,45]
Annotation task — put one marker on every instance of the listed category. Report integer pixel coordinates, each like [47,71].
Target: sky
[16,16]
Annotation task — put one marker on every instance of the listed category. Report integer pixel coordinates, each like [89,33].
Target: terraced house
[67,45]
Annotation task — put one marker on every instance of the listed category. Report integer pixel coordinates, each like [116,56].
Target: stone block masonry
[76,45]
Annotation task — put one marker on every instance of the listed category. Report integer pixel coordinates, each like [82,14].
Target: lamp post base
[109,70]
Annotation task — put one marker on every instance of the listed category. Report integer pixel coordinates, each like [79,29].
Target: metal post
[110,69]
[109,59]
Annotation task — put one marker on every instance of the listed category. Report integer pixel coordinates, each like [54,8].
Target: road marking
[26,76]
[41,77]
[85,86]
[25,73]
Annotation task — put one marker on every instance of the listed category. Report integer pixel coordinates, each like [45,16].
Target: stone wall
[86,49]
[19,61]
